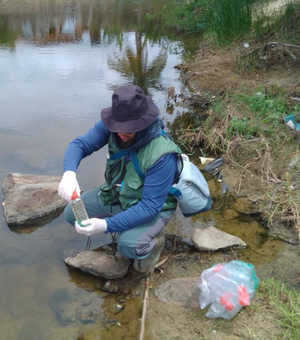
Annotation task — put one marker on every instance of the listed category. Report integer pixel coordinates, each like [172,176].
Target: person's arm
[85,145]
[79,148]
[158,180]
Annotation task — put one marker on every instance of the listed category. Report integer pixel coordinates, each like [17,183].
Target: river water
[59,63]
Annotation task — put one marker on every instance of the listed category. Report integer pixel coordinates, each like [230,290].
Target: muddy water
[59,62]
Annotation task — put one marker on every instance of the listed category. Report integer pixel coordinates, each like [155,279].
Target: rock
[230,214]
[244,206]
[30,196]
[118,308]
[111,286]
[99,264]
[180,292]
[71,305]
[211,238]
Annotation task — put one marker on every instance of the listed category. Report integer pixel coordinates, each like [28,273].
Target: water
[59,63]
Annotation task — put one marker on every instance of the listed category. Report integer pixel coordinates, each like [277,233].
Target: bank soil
[215,71]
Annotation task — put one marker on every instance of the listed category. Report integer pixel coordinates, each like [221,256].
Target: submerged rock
[211,238]
[30,196]
[71,305]
[111,286]
[181,292]
[100,264]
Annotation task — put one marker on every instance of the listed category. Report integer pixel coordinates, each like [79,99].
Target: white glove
[68,185]
[91,227]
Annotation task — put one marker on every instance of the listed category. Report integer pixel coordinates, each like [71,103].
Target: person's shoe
[147,264]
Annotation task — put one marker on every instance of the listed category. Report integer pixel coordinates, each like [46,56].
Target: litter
[227,287]
[210,167]
[291,123]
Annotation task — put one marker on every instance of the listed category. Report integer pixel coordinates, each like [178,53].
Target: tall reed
[228,19]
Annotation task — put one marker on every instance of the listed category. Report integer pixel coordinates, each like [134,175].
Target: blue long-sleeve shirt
[158,179]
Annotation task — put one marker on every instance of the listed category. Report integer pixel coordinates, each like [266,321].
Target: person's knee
[130,252]
[69,215]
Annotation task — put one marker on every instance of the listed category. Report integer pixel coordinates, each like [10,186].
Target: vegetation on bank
[229,20]
[284,302]
[249,128]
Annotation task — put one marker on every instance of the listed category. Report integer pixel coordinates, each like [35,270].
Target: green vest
[123,184]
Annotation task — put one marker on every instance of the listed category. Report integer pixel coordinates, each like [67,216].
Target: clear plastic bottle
[78,209]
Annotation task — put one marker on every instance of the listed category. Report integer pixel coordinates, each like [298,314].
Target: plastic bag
[227,287]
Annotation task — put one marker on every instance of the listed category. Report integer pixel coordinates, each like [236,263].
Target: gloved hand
[91,227]
[68,185]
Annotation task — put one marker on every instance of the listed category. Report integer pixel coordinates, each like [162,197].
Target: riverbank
[256,167]
[215,73]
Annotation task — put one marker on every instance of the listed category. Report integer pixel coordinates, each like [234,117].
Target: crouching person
[134,202]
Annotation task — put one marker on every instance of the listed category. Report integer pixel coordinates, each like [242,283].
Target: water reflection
[135,64]
[30,227]
[55,79]
[65,21]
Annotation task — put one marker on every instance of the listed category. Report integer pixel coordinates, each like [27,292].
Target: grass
[284,25]
[248,115]
[249,131]
[228,20]
[283,28]
[267,108]
[285,303]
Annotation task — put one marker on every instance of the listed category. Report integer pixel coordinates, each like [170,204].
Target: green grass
[267,108]
[286,303]
[228,19]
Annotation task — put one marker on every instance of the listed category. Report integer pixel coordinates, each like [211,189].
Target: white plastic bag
[227,287]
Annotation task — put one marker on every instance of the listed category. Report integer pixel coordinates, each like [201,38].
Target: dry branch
[145,304]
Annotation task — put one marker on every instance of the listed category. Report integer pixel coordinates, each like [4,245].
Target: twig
[162,262]
[145,303]
[273,44]
[291,54]
[174,243]
[145,300]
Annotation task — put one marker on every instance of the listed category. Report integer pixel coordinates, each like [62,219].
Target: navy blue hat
[131,110]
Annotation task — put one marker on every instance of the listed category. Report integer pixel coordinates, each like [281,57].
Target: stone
[111,286]
[30,196]
[211,238]
[100,264]
[244,206]
[230,214]
[70,305]
[180,292]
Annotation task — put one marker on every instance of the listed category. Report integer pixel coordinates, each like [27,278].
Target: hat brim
[130,126]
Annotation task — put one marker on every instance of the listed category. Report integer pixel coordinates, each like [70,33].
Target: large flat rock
[211,238]
[180,292]
[100,264]
[30,196]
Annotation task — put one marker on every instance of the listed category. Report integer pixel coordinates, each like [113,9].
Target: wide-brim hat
[131,111]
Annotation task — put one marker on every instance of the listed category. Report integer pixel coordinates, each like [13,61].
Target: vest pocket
[108,194]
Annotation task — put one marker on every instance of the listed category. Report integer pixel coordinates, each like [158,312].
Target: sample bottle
[78,209]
